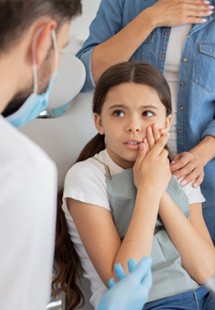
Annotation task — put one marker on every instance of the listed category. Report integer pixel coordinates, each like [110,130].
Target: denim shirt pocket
[204,66]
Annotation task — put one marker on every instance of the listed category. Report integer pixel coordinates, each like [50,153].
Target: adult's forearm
[123,45]
[205,150]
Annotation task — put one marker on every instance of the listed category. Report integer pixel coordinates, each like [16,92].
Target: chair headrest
[68,82]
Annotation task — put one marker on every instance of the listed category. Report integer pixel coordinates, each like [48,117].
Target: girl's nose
[133,128]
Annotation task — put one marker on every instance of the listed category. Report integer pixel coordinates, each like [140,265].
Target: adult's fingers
[198,180]
[186,170]
[143,268]
[195,175]
[119,272]
[180,160]
[111,283]
[131,265]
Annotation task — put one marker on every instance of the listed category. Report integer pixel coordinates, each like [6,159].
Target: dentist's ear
[98,123]
[42,40]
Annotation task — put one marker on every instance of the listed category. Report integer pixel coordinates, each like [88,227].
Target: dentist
[32,37]
[33,33]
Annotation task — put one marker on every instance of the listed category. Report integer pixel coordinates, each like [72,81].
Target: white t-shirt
[85,181]
[27,221]
[176,42]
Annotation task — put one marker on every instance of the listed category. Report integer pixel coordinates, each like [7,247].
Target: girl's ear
[98,123]
[168,122]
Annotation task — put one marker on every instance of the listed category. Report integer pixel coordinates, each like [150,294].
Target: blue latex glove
[131,292]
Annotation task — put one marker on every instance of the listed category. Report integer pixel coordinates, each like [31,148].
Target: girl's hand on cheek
[151,169]
[150,135]
[138,170]
[153,134]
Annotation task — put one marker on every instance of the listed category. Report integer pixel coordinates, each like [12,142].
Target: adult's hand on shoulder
[131,292]
[188,167]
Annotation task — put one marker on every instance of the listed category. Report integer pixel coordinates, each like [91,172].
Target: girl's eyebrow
[123,106]
[118,106]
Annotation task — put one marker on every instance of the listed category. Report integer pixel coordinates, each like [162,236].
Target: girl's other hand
[188,167]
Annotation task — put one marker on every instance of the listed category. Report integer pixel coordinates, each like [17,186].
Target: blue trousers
[199,299]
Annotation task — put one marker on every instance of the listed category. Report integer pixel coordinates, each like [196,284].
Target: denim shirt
[196,93]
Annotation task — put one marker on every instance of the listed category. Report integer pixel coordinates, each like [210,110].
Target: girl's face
[128,110]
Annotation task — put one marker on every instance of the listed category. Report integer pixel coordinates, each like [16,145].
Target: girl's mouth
[132,144]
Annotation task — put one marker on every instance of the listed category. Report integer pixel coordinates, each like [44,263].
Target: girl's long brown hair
[66,258]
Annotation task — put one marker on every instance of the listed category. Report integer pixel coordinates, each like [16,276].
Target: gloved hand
[131,292]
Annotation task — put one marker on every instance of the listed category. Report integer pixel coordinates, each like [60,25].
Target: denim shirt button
[182,84]
[181,108]
[179,131]
[162,56]
[185,59]
[167,32]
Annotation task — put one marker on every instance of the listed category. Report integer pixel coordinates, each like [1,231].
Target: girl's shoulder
[90,168]
[85,167]
[85,181]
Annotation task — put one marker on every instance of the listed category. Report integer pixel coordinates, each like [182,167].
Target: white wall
[80,26]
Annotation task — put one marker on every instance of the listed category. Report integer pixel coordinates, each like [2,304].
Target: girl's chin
[127,163]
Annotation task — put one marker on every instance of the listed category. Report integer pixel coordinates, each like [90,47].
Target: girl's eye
[148,113]
[118,113]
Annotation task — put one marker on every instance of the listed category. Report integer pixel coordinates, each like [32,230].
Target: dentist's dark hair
[127,72]
[16,16]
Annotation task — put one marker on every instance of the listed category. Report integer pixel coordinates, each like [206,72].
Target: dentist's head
[33,34]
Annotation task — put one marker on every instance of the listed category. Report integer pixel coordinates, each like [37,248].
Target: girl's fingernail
[172,162]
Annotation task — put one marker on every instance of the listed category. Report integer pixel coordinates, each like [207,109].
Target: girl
[120,200]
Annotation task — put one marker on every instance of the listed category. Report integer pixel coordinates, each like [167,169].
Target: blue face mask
[35,103]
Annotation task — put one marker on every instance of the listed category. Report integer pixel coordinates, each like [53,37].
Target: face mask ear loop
[54,39]
[35,76]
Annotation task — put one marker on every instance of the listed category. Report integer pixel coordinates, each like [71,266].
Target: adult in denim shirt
[141,30]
